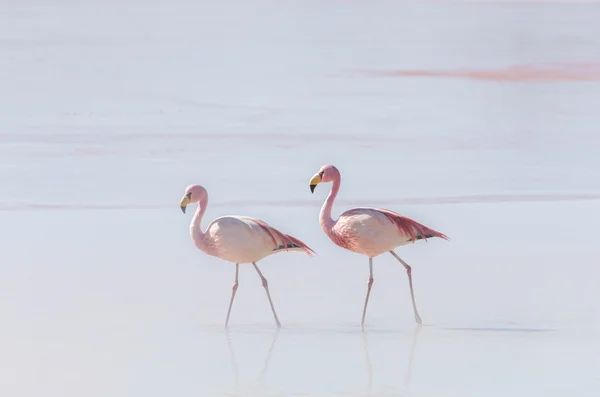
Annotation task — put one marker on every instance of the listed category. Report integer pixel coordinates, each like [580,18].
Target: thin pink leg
[266,285]
[369,285]
[412,294]
[233,291]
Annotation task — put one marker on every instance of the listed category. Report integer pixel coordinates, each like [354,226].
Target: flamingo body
[241,239]
[374,231]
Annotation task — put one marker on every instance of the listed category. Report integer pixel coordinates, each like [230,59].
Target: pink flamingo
[238,239]
[369,231]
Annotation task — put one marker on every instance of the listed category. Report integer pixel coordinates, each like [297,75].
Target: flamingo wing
[410,228]
[282,241]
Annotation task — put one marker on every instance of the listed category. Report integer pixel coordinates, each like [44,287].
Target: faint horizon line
[465,199]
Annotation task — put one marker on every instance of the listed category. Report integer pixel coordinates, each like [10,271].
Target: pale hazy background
[479,120]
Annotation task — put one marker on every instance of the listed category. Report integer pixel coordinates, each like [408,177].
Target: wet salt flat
[479,120]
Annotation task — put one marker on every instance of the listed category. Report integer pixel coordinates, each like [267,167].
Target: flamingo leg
[412,294]
[266,286]
[233,291]
[369,285]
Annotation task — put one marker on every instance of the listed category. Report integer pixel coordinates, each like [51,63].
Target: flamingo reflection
[409,368]
[260,388]
[234,364]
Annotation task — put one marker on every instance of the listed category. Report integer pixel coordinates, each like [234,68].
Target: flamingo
[369,231]
[238,239]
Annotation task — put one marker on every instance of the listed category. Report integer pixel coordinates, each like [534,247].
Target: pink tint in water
[517,73]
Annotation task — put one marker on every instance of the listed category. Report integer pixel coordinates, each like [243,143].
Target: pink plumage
[369,231]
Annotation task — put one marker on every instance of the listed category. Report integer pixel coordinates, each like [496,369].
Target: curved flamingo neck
[196,226]
[325,218]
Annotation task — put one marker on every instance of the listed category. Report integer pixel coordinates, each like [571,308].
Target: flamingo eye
[189,195]
[321,174]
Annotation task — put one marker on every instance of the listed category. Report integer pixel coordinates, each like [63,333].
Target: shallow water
[443,111]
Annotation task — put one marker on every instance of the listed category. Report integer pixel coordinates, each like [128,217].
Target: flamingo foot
[418,319]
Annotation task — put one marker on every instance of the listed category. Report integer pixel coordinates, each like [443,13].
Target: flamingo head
[193,194]
[327,173]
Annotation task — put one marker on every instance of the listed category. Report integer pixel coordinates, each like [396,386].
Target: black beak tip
[183,209]
[312,188]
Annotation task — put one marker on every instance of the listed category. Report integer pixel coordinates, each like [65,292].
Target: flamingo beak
[184,202]
[314,182]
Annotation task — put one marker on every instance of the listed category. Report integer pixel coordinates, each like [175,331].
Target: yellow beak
[315,180]
[184,202]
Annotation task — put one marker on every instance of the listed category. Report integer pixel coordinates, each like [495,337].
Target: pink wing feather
[285,240]
[412,229]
